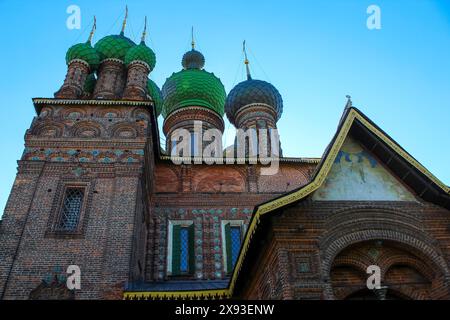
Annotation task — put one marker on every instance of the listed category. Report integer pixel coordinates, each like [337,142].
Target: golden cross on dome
[94,27]
[124,24]
[144,33]
[249,76]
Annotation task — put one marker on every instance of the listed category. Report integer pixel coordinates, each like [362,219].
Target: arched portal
[403,274]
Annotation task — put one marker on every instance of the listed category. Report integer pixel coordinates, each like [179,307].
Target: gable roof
[353,122]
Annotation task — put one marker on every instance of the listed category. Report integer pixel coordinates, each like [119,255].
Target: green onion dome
[84,51]
[89,84]
[193,87]
[155,93]
[114,47]
[141,53]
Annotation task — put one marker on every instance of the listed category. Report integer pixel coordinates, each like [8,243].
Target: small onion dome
[141,53]
[84,51]
[193,87]
[252,91]
[155,93]
[114,47]
[193,60]
[89,84]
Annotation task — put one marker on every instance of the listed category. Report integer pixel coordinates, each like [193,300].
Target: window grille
[71,209]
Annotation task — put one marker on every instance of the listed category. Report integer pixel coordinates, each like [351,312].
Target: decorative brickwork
[330,244]
[95,189]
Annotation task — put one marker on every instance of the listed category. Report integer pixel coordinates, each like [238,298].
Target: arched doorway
[366,294]
[404,275]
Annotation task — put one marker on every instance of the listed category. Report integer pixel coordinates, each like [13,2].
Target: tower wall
[101,149]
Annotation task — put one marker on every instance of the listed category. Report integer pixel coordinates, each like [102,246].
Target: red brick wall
[97,146]
[338,240]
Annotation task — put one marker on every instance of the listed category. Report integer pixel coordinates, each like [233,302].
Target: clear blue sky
[314,51]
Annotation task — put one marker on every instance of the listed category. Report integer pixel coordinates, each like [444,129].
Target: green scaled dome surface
[155,93]
[114,47]
[141,53]
[193,87]
[85,52]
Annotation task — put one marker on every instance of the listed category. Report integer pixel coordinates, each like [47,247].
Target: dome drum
[186,118]
[256,115]
[73,85]
[111,80]
[136,85]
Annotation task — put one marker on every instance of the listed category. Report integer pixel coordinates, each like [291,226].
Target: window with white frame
[232,234]
[181,255]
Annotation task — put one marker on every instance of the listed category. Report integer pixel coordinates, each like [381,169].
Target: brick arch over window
[109,113]
[74,113]
[402,268]
[425,250]
[140,113]
[87,129]
[167,179]
[386,263]
[360,224]
[124,130]
[48,129]
[358,263]
[47,111]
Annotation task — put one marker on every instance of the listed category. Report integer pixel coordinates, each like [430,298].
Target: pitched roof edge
[350,115]
[184,295]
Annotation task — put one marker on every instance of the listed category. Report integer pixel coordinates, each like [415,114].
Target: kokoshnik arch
[95,188]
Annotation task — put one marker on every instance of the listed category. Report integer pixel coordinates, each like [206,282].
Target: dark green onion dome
[84,51]
[253,91]
[193,87]
[193,60]
[155,93]
[141,53]
[114,47]
[89,84]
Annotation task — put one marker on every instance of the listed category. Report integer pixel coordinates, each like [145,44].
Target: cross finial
[124,24]
[249,76]
[349,102]
[94,27]
[144,33]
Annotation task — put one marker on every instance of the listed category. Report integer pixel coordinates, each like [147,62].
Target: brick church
[96,188]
